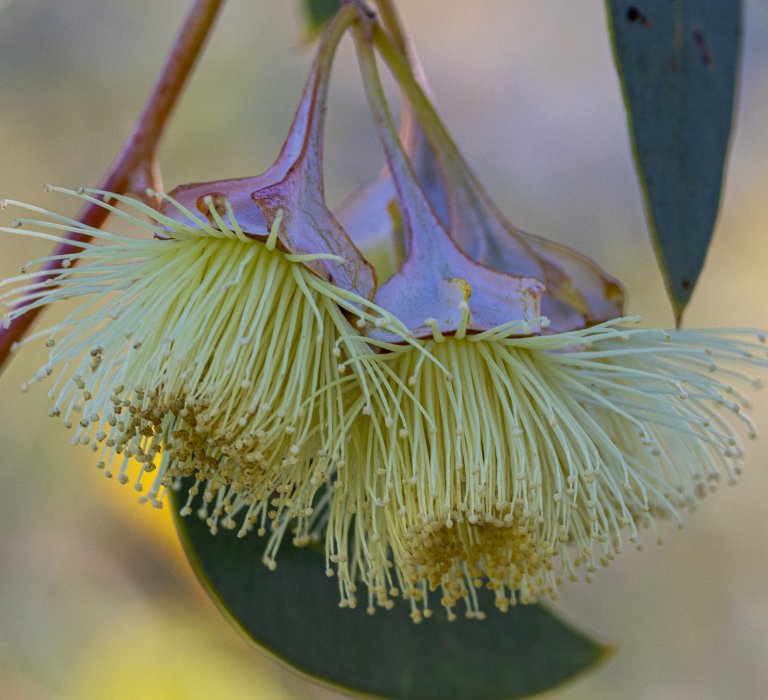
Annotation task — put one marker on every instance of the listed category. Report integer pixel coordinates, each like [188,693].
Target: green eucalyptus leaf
[678,63]
[293,612]
[317,13]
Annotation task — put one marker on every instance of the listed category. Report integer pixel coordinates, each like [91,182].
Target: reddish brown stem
[135,167]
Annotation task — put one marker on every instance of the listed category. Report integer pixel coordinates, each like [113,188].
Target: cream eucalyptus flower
[531,449]
[224,343]
[530,459]
[199,351]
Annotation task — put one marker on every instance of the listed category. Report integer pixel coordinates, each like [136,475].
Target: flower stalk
[430,293]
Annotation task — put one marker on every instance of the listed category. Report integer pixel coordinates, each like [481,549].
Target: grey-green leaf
[317,13]
[293,612]
[678,63]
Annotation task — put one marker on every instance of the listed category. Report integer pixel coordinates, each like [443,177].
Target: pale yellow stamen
[525,459]
[203,353]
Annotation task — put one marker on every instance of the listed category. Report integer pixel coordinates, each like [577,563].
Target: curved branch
[135,166]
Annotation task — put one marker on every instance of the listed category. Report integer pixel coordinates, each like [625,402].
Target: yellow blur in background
[96,599]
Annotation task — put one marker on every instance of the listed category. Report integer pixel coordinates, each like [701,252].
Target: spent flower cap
[293,187]
[578,292]
[438,289]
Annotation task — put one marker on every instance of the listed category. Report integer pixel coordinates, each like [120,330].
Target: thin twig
[135,167]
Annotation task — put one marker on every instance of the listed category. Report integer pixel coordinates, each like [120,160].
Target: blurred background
[96,598]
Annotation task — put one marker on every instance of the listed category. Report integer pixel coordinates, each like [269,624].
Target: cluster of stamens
[202,353]
[431,466]
[523,461]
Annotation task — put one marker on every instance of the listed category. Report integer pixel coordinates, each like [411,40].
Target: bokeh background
[96,599]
